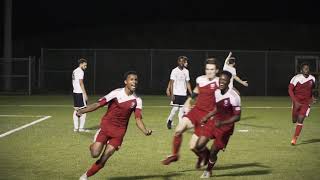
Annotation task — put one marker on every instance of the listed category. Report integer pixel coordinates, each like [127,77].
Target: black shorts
[78,100]
[178,100]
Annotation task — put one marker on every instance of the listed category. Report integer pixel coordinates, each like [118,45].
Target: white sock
[181,112]
[75,120]
[172,113]
[82,120]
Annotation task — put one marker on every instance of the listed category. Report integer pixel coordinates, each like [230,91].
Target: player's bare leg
[99,164]
[96,149]
[177,140]
[297,132]
[212,160]
[198,146]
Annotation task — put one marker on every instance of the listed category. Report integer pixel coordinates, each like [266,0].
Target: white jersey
[233,71]
[77,74]
[180,78]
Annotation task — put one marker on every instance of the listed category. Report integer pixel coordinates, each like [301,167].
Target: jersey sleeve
[188,76]
[173,75]
[198,80]
[78,74]
[107,98]
[294,81]
[138,109]
[236,105]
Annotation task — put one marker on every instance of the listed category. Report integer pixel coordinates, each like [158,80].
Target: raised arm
[244,83]
[227,59]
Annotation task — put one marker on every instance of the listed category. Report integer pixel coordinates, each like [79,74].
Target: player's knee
[95,150]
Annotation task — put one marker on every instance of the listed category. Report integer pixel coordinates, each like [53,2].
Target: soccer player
[221,127]
[178,86]
[121,103]
[204,91]
[80,96]
[229,65]
[300,91]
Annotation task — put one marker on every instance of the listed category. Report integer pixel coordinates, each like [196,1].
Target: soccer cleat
[170,159]
[75,130]
[169,124]
[84,130]
[206,174]
[84,176]
[294,141]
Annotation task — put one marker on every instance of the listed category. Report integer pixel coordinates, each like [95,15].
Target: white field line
[70,106]
[7,115]
[24,126]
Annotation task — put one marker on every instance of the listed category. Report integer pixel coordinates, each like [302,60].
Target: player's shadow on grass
[162,176]
[257,126]
[245,173]
[248,118]
[93,128]
[310,141]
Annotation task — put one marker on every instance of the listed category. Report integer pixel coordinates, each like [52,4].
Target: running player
[226,113]
[80,96]
[229,65]
[300,91]
[204,91]
[178,86]
[121,103]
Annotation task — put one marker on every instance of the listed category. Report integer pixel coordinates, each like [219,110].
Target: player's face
[181,63]
[211,70]
[83,66]
[131,82]
[185,63]
[223,82]
[305,70]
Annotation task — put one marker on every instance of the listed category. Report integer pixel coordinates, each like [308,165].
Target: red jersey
[205,100]
[228,105]
[300,88]
[120,107]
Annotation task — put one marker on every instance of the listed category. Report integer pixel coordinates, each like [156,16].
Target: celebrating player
[300,91]
[226,113]
[204,91]
[80,96]
[229,65]
[178,86]
[121,103]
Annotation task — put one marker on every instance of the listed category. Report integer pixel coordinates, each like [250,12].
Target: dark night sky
[45,19]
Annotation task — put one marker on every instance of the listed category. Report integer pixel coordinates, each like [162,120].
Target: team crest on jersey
[212,86]
[133,104]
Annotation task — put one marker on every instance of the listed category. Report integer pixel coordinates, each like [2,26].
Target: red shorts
[221,135]
[303,110]
[110,135]
[195,115]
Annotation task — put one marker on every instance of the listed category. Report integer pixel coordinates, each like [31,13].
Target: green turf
[51,150]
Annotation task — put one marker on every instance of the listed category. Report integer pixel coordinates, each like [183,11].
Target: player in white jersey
[80,96]
[179,84]
[229,65]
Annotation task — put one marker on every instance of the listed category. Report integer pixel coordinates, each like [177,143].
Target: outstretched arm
[244,83]
[209,115]
[89,108]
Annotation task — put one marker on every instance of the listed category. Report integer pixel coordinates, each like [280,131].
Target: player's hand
[204,120]
[168,92]
[297,104]
[172,98]
[218,124]
[79,113]
[245,83]
[148,133]
[85,97]
[229,55]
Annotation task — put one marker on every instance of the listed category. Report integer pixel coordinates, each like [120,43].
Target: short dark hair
[304,64]
[125,76]
[232,60]
[82,60]
[212,60]
[227,73]
[185,58]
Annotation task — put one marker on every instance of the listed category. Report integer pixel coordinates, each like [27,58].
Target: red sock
[210,165]
[298,129]
[177,140]
[94,169]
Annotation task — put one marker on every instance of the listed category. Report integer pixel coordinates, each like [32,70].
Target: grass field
[51,150]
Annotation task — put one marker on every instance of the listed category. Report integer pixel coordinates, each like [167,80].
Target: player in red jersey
[121,103]
[204,91]
[221,127]
[300,91]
